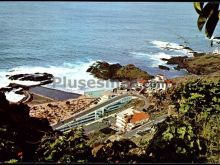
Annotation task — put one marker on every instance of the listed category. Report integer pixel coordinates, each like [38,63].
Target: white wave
[164,45]
[161,55]
[172,46]
[66,73]
[13,97]
[3,79]
[155,59]
[139,54]
[25,83]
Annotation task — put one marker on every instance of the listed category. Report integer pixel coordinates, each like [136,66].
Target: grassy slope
[206,64]
[209,64]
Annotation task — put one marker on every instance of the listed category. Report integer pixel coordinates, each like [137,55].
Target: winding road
[146,126]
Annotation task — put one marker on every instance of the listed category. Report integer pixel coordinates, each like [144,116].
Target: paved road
[90,110]
[95,108]
[97,126]
[146,103]
[145,126]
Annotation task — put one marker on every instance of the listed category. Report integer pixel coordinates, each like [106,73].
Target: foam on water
[172,47]
[13,97]
[163,44]
[64,74]
[155,59]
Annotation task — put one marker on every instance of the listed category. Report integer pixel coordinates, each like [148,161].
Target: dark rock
[43,78]
[103,70]
[106,71]
[187,48]
[32,77]
[176,60]
[177,68]
[6,89]
[196,54]
[163,67]
[201,65]
[15,86]
[179,61]
[164,59]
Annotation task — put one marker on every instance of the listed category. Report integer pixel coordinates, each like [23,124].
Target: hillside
[200,65]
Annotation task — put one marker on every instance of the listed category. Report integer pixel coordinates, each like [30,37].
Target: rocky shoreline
[199,65]
[190,63]
[20,84]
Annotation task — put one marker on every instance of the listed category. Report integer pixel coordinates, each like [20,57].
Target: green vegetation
[193,136]
[204,64]
[131,72]
[106,71]
[65,148]
[117,151]
[11,161]
[209,15]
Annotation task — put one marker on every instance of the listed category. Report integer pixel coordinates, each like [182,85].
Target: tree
[208,16]
[66,148]
[176,141]
[117,151]
[19,133]
[193,135]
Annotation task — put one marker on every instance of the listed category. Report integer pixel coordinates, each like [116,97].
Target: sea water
[65,38]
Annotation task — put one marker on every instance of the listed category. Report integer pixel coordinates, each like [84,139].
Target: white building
[160,82]
[128,119]
[122,119]
[160,77]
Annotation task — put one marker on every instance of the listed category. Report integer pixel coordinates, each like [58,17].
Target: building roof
[137,117]
[160,75]
[142,81]
[168,81]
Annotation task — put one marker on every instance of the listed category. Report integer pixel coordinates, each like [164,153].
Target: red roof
[168,81]
[143,81]
[137,117]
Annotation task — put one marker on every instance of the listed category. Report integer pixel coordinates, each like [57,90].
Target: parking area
[97,126]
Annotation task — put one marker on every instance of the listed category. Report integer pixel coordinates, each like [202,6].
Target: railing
[108,105]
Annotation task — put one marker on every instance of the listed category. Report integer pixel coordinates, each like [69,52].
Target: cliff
[200,65]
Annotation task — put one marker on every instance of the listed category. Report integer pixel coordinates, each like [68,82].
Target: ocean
[65,38]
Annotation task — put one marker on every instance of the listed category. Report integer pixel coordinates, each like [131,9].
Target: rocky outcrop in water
[175,60]
[187,48]
[201,65]
[179,61]
[163,67]
[44,78]
[106,71]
